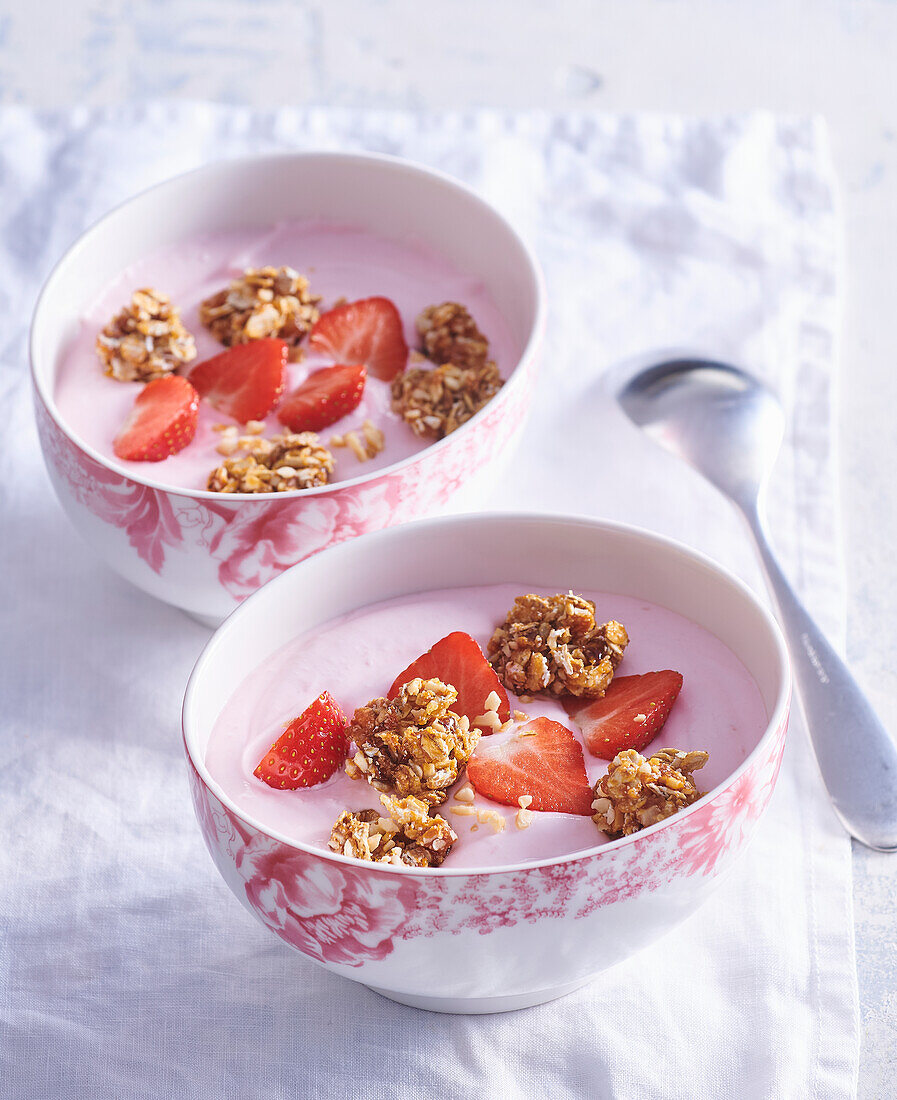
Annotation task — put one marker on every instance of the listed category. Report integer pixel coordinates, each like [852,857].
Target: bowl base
[476,1006]
[211,621]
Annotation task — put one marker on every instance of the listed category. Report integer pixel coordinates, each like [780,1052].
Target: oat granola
[450,335]
[277,465]
[636,792]
[414,744]
[263,301]
[554,644]
[435,401]
[146,340]
[408,835]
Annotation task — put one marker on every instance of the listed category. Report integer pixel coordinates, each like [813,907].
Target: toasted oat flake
[555,645]
[638,792]
[277,465]
[146,340]
[264,301]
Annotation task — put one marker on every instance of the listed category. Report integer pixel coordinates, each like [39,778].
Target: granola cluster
[146,340]
[450,335]
[554,644]
[414,744]
[264,301]
[276,465]
[408,835]
[637,792]
[435,400]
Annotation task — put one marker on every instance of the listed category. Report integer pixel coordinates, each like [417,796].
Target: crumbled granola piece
[146,340]
[276,465]
[264,301]
[434,402]
[412,744]
[554,644]
[450,335]
[637,792]
[365,442]
[409,835]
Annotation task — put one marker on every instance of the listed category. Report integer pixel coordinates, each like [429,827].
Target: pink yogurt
[339,261]
[356,658]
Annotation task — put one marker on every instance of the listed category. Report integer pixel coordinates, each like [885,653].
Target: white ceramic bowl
[497,938]
[203,551]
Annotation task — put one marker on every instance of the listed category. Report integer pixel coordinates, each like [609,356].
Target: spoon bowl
[721,420]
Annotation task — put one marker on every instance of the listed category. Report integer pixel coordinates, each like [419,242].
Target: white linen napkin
[128,970]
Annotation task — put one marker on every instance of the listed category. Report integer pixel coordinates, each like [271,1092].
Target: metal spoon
[729,426]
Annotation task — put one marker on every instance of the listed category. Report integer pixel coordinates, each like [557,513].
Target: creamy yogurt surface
[357,657]
[339,262]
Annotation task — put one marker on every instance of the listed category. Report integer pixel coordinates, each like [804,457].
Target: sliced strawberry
[543,761]
[324,397]
[629,714]
[456,659]
[245,381]
[162,422]
[368,331]
[309,750]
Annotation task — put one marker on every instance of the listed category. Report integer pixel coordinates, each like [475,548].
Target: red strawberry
[630,713]
[324,397]
[368,331]
[309,750]
[456,659]
[162,422]
[245,381]
[544,761]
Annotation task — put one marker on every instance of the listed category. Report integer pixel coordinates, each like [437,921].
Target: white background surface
[705,56]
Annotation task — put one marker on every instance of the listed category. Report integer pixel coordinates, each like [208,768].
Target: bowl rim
[777,718]
[223,164]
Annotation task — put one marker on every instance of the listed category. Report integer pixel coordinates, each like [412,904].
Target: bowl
[204,552]
[504,937]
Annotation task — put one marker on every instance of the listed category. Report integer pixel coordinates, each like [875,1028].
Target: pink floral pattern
[253,541]
[337,913]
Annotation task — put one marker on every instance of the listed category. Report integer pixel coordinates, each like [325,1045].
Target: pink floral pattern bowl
[205,552]
[506,937]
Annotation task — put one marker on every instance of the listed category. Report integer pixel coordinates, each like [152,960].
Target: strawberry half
[162,422]
[245,381]
[309,750]
[324,397]
[368,331]
[630,713]
[544,761]
[456,659]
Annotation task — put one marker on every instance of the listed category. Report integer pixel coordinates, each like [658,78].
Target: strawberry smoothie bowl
[472,762]
[264,357]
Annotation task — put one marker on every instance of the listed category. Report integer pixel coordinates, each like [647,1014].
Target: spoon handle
[856,754]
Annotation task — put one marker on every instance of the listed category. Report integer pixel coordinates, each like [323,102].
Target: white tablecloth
[126,968]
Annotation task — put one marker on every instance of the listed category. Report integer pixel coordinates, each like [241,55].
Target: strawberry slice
[309,750]
[162,422]
[543,760]
[326,396]
[629,714]
[456,659]
[245,381]
[368,331]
